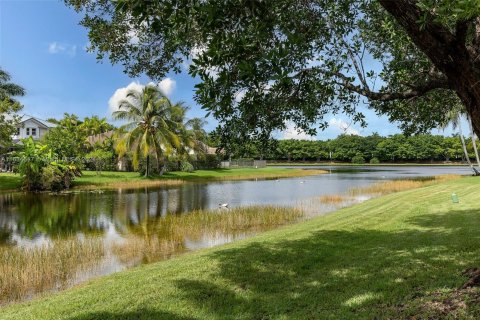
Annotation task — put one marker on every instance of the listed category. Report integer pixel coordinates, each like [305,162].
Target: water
[29,220]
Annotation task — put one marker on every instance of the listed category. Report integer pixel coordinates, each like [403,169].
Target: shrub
[374,161]
[358,159]
[40,170]
[186,166]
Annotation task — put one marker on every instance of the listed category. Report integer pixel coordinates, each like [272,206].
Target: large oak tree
[263,63]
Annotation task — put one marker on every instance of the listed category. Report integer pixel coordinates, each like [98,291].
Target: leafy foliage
[41,170]
[8,107]
[155,127]
[260,69]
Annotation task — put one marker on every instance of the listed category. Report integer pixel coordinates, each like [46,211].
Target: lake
[127,227]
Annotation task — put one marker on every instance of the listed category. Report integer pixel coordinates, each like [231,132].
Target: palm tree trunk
[464,146]
[472,133]
[148,165]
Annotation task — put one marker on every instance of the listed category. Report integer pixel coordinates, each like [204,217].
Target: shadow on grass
[343,274]
[132,315]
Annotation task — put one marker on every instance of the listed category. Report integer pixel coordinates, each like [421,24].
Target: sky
[43,47]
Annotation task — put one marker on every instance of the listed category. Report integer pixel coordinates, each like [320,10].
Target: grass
[400,256]
[391,186]
[333,199]
[244,173]
[107,179]
[9,181]
[26,272]
[90,179]
[346,164]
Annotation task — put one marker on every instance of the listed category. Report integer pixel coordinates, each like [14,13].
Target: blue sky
[43,47]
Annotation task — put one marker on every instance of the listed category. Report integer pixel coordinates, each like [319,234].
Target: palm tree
[152,129]
[8,89]
[454,118]
[473,137]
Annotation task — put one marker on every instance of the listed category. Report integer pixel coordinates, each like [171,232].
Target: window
[28,131]
[18,132]
[34,131]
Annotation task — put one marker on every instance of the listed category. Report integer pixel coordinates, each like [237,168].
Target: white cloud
[121,94]
[167,86]
[297,134]
[240,95]
[343,126]
[59,48]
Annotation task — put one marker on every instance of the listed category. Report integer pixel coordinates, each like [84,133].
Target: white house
[31,127]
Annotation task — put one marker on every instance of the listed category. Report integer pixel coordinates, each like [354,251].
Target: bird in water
[223,205]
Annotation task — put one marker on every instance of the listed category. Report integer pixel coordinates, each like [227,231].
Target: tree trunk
[447,50]
[464,146]
[147,173]
[474,143]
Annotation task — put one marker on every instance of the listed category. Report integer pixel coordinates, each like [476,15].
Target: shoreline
[344,236]
[132,180]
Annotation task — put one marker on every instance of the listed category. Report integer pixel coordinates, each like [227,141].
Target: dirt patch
[457,303]
[473,275]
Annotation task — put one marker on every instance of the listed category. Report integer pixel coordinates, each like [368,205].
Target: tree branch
[414,92]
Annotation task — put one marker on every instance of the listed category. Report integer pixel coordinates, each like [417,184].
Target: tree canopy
[263,63]
[8,106]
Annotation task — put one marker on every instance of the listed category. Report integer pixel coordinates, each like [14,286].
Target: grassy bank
[106,179]
[349,164]
[25,272]
[133,179]
[398,256]
[9,181]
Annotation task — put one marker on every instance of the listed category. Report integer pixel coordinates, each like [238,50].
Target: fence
[243,164]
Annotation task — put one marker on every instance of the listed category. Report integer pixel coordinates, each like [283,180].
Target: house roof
[42,122]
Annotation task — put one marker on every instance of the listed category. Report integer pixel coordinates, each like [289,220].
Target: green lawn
[9,181]
[393,257]
[133,178]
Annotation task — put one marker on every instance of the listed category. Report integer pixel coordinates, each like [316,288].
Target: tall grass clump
[391,186]
[334,199]
[162,238]
[28,271]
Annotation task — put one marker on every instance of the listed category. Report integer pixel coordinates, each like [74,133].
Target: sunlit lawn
[400,256]
[9,181]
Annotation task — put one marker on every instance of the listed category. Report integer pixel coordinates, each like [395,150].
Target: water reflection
[31,216]
[89,233]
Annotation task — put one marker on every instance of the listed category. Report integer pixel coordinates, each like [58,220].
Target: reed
[158,241]
[130,184]
[334,199]
[28,271]
[386,187]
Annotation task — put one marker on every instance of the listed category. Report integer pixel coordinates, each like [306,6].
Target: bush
[209,161]
[374,161]
[186,166]
[40,170]
[358,159]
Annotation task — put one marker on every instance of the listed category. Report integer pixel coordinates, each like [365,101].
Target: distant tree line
[358,149]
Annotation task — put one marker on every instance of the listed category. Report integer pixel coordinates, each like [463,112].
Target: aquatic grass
[90,180]
[243,173]
[392,186]
[135,250]
[57,264]
[334,199]
[28,271]
[154,241]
